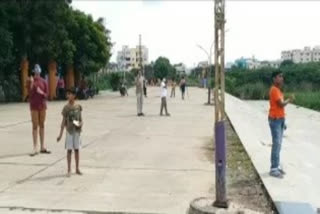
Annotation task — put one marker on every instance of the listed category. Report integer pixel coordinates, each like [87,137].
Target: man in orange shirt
[277,121]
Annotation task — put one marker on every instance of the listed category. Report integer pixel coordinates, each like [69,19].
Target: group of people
[84,90]
[71,119]
[141,91]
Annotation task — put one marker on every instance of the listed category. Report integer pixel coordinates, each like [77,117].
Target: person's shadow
[13,155]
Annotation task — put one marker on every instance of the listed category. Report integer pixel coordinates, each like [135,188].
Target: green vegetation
[112,81]
[163,69]
[308,99]
[48,31]
[303,80]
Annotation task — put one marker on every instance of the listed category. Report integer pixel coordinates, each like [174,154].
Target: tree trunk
[24,66]
[52,69]
[70,77]
[77,77]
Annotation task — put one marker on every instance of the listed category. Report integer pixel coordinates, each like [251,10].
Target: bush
[112,80]
[303,80]
[10,88]
[193,82]
[115,81]
[253,91]
[2,96]
[308,99]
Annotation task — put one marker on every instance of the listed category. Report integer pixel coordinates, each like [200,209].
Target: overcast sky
[175,28]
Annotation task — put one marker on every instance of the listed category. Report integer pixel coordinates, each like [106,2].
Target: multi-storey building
[129,58]
[302,56]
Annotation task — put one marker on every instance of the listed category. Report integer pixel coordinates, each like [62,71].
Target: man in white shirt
[164,92]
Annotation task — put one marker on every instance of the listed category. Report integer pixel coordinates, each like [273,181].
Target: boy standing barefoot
[72,121]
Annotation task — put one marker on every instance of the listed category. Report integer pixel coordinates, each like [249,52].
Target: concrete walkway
[136,165]
[300,151]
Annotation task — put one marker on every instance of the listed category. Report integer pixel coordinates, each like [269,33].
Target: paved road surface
[130,164]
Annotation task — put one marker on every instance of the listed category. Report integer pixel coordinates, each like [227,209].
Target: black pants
[61,94]
[145,91]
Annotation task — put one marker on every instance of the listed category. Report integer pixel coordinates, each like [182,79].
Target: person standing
[61,88]
[145,88]
[173,88]
[183,87]
[164,93]
[139,93]
[72,121]
[277,121]
[38,93]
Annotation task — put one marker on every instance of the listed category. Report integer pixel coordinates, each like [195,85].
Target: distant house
[302,55]
[203,64]
[180,68]
[271,64]
[253,63]
[129,58]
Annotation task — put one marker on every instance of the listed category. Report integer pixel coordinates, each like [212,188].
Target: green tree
[286,63]
[92,43]
[149,72]
[45,31]
[163,68]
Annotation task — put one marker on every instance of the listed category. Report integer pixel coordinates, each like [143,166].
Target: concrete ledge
[299,151]
[294,208]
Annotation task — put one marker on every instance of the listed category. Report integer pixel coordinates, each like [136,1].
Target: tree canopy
[45,31]
[163,68]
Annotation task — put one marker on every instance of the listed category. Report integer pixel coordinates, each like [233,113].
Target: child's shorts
[73,141]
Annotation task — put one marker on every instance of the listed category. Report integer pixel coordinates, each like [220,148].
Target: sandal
[34,154]
[78,172]
[45,151]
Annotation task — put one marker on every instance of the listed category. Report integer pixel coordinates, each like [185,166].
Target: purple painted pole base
[220,160]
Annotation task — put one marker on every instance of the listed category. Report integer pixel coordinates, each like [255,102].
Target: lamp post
[209,55]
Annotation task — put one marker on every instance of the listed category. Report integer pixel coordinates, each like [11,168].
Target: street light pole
[219,91]
[209,70]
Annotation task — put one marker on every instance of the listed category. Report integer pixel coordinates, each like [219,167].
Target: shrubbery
[113,80]
[303,80]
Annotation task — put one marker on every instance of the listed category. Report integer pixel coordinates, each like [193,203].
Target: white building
[272,64]
[316,54]
[203,64]
[302,56]
[180,68]
[129,58]
[253,63]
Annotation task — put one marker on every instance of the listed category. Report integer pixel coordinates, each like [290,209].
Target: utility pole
[141,72]
[205,205]
[219,96]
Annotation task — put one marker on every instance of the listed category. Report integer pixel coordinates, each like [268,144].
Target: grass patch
[308,99]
